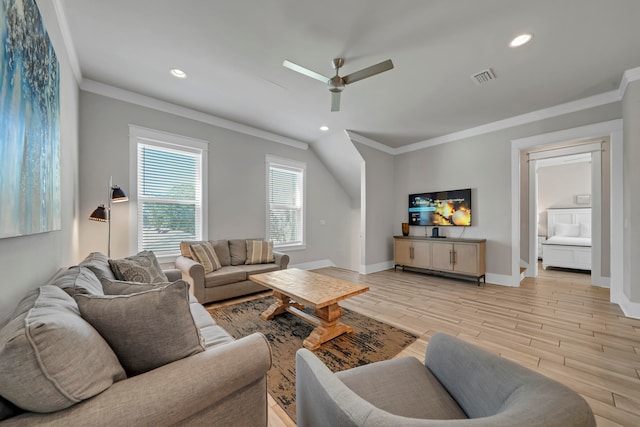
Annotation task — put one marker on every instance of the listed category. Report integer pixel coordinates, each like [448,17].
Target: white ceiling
[233,51]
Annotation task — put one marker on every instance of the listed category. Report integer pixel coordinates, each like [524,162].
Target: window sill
[289,248]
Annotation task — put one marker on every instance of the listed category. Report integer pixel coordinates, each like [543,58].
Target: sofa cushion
[99,264]
[205,255]
[201,316]
[78,280]
[224,276]
[215,335]
[259,268]
[238,251]
[142,267]
[146,329]
[222,250]
[404,387]
[259,252]
[50,358]
[185,246]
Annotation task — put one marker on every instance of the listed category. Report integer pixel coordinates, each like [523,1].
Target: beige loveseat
[232,279]
[57,370]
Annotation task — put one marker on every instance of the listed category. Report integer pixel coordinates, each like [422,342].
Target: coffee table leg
[328,328]
[280,306]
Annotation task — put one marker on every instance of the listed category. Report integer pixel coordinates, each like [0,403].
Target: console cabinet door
[442,256]
[403,252]
[421,254]
[466,258]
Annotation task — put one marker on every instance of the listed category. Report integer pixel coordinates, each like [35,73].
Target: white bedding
[568,241]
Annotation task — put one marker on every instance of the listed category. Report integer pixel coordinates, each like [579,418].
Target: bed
[568,244]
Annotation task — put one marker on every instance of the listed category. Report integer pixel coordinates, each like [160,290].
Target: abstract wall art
[29,123]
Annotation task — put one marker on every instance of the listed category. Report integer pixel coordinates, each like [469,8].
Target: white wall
[482,163]
[558,187]
[631,192]
[27,262]
[237,189]
[377,209]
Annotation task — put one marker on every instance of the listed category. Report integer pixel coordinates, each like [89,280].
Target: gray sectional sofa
[58,368]
[232,279]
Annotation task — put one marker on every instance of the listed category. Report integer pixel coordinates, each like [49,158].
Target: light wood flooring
[557,324]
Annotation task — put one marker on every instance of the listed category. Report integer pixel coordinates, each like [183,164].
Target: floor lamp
[103,214]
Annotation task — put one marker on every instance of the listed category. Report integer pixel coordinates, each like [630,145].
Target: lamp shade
[99,214]
[117,195]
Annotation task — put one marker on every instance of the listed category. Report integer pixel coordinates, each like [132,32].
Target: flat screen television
[441,208]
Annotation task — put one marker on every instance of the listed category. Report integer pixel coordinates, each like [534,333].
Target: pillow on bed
[567,230]
[585,230]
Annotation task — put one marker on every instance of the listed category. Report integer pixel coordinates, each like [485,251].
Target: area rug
[370,341]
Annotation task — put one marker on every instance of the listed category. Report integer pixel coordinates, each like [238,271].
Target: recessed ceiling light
[521,39]
[177,72]
[324,128]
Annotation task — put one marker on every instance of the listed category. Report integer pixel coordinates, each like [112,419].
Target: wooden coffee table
[295,288]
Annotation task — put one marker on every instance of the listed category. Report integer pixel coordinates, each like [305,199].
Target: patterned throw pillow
[259,252]
[145,330]
[205,255]
[142,267]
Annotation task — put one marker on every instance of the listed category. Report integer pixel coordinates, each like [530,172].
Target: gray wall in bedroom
[237,188]
[482,163]
[558,186]
[27,262]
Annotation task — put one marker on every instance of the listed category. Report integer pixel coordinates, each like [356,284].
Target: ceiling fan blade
[368,72]
[307,72]
[335,101]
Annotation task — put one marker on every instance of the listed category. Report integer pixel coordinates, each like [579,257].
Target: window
[285,202]
[170,176]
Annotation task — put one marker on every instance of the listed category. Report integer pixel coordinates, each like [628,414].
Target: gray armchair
[458,385]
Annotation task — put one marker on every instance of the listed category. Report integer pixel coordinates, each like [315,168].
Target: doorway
[523,231]
[563,188]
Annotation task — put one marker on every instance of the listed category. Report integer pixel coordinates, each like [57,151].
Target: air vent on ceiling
[483,76]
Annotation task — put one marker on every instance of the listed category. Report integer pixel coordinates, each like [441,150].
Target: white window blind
[285,202]
[169,191]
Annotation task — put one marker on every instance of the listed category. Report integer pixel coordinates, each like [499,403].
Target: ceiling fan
[336,83]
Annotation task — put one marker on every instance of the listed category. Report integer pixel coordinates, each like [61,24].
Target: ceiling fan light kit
[336,84]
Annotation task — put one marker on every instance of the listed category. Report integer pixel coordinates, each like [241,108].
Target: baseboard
[374,268]
[313,264]
[630,309]
[602,282]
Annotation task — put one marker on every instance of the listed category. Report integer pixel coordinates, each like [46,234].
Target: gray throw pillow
[146,329]
[142,267]
[121,287]
[78,280]
[50,358]
[99,264]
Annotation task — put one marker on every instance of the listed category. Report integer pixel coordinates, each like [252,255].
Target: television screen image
[441,208]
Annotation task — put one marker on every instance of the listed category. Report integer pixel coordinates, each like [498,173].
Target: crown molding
[188,113]
[534,116]
[629,76]
[370,142]
[68,41]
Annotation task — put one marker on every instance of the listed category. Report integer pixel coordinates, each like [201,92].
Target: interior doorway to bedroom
[597,150]
[564,188]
